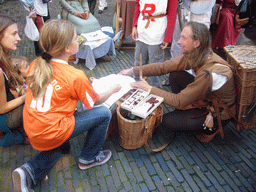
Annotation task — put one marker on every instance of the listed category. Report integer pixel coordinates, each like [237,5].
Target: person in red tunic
[226,33]
[153,25]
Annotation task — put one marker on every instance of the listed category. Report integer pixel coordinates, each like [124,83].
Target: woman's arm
[85,5]
[86,12]
[4,105]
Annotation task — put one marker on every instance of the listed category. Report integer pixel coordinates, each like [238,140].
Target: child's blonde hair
[17,62]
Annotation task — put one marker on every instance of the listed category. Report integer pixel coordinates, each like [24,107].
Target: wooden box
[243,60]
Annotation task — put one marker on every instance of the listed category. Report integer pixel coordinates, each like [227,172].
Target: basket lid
[245,55]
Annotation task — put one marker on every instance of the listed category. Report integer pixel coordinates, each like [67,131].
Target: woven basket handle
[147,133]
[157,149]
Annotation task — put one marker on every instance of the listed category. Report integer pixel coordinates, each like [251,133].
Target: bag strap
[160,148]
[227,110]
[147,133]
[217,109]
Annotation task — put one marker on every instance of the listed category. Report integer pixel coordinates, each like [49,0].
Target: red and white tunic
[160,29]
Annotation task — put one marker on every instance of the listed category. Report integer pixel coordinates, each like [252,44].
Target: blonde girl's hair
[17,61]
[14,78]
[55,35]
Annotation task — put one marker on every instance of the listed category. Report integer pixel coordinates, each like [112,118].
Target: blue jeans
[95,121]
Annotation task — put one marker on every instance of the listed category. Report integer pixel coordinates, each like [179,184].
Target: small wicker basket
[132,133]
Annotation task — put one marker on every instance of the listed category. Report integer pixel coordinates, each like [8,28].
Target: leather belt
[151,17]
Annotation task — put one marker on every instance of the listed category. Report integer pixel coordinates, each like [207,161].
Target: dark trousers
[92,4]
[184,120]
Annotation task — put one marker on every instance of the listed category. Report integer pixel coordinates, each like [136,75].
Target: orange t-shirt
[49,120]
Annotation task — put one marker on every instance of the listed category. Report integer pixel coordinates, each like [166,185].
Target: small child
[20,64]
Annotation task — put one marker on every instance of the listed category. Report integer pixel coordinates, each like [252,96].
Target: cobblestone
[175,171]
[190,180]
[186,165]
[136,172]
[115,177]
[147,178]
[216,174]
[202,176]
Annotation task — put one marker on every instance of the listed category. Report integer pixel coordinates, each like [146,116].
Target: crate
[243,60]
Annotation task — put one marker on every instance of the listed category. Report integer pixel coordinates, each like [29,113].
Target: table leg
[108,58]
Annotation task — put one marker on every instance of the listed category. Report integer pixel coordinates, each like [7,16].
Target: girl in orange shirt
[49,116]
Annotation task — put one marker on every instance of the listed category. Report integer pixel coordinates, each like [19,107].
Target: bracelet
[17,89]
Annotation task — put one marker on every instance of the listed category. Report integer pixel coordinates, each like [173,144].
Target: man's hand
[164,45]
[127,72]
[78,14]
[134,33]
[242,22]
[142,84]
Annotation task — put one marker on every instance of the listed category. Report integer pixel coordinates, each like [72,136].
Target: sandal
[165,82]
[207,138]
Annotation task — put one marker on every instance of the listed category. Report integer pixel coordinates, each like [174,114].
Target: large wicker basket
[243,59]
[132,133]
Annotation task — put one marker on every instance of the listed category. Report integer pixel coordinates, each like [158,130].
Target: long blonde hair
[13,78]
[17,62]
[55,35]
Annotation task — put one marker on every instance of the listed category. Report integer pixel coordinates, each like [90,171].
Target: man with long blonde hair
[210,75]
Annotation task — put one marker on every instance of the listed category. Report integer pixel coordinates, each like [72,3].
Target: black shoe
[101,11]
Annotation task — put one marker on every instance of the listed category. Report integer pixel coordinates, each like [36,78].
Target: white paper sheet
[105,83]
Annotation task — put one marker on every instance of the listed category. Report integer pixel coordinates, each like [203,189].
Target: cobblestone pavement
[185,165]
